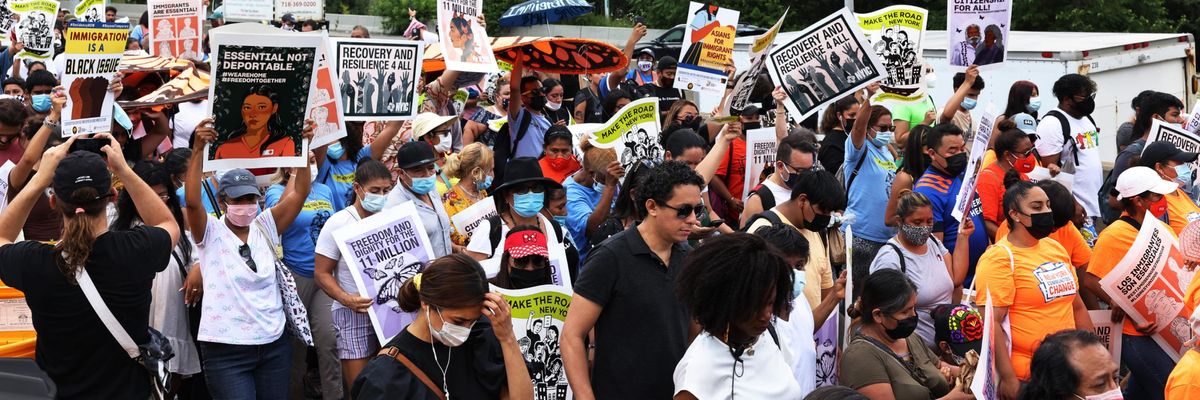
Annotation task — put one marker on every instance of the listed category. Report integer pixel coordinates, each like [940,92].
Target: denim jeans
[1149,366]
[246,372]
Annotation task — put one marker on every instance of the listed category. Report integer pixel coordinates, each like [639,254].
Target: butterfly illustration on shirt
[390,276]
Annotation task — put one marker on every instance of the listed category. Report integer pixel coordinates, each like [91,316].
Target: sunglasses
[534,260]
[889,128]
[244,251]
[682,212]
[529,189]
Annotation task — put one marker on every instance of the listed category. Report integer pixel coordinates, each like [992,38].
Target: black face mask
[904,328]
[818,222]
[522,278]
[692,122]
[1042,225]
[751,126]
[537,102]
[955,164]
[667,83]
[848,125]
[1087,106]
[792,180]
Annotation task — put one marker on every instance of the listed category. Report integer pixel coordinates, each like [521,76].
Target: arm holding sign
[193,209]
[960,93]
[858,133]
[520,386]
[150,207]
[296,191]
[384,140]
[781,121]
[707,167]
[33,150]
[614,78]
[13,217]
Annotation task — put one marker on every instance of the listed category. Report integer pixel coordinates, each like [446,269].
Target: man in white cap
[1142,195]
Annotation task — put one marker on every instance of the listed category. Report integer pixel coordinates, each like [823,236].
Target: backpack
[1066,132]
[504,147]
[494,223]
[765,196]
[767,214]
[900,254]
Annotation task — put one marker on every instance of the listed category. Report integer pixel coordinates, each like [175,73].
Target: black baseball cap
[415,154]
[667,62]
[78,170]
[1163,150]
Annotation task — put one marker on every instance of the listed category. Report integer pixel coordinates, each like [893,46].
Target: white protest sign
[89,11]
[978,32]
[1185,140]
[1146,284]
[35,29]
[383,252]
[707,49]
[379,78]
[468,219]
[248,10]
[1108,331]
[326,109]
[986,380]
[966,191]
[829,350]
[632,133]
[744,84]
[538,315]
[1193,123]
[300,9]
[896,34]
[760,152]
[176,28]
[465,44]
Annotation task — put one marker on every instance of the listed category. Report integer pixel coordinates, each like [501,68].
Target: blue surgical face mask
[1184,174]
[1034,104]
[335,151]
[598,186]
[41,103]
[798,280]
[374,203]
[561,219]
[484,184]
[883,138]
[424,185]
[529,204]
[968,104]
[122,118]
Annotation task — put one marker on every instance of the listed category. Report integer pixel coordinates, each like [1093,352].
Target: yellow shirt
[1180,211]
[456,200]
[818,273]
[1184,382]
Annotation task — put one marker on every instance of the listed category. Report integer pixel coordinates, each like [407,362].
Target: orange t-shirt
[1111,246]
[990,189]
[1180,211]
[1191,295]
[1184,382]
[1039,288]
[733,168]
[989,158]
[238,148]
[1067,236]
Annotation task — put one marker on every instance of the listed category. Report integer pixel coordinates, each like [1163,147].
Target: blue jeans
[1149,366]
[245,372]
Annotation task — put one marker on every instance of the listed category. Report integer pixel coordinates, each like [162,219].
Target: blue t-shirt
[535,135]
[581,201]
[868,197]
[300,238]
[338,175]
[978,242]
[209,206]
[942,192]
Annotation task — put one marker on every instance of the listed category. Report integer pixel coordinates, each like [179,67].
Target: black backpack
[503,148]
[767,214]
[1066,132]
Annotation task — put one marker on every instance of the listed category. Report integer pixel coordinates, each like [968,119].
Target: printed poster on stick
[707,49]
[978,31]
[984,385]
[468,219]
[176,28]
[326,109]
[1185,140]
[465,44]
[1108,331]
[632,133]
[261,81]
[383,252]
[300,9]
[743,86]
[538,314]
[1148,285]
[89,11]
[896,34]
[825,62]
[760,152]
[35,28]
[966,191]
[378,77]
[248,10]
[6,22]
[92,53]
[1193,123]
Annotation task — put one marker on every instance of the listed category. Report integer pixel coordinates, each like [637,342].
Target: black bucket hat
[524,170]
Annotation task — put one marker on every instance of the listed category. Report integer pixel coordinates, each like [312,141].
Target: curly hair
[730,279]
[660,182]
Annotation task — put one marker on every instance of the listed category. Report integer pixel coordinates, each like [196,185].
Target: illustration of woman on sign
[262,134]
[703,23]
[463,39]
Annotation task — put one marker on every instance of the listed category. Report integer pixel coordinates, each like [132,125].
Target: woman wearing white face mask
[554,110]
[356,340]
[461,344]
[242,316]
[435,130]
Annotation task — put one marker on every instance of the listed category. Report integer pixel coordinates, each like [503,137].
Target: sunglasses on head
[682,212]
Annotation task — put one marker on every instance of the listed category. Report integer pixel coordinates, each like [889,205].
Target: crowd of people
[683,286]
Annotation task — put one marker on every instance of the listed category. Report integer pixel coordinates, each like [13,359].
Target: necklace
[472,196]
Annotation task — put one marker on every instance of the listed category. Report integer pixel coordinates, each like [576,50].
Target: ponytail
[73,250]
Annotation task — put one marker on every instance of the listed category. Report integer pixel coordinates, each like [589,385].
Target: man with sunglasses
[418,184]
[531,104]
[626,291]
[794,156]
[1069,140]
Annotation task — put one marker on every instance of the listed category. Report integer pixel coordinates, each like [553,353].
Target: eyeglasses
[244,251]
[887,128]
[1081,97]
[164,197]
[534,260]
[1026,153]
[682,212]
[529,189]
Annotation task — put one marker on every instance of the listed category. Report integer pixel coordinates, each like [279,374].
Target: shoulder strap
[900,255]
[558,232]
[522,129]
[212,198]
[1129,220]
[765,196]
[1012,266]
[494,233]
[857,166]
[393,352]
[774,335]
[1066,132]
[106,316]
[768,215]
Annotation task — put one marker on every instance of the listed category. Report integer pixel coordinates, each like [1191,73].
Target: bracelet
[51,123]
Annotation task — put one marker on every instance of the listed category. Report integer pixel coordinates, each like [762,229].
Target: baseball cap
[1163,150]
[959,326]
[82,169]
[238,182]
[1026,123]
[750,110]
[1138,180]
[644,51]
[427,122]
[288,18]
[414,154]
[667,62]
[520,244]
[217,13]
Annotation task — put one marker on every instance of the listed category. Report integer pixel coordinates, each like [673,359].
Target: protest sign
[379,78]
[825,62]
[828,351]
[468,219]
[538,314]
[35,28]
[1108,331]
[175,28]
[760,152]
[1184,139]
[326,108]
[896,34]
[966,191]
[248,10]
[560,273]
[1193,123]
[465,44]
[261,82]
[984,385]
[1148,285]
[744,84]
[632,133]
[6,22]
[978,32]
[89,11]
[707,49]
[92,53]
[383,252]
[300,9]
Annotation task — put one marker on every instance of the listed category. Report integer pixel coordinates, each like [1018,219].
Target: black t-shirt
[73,346]
[833,150]
[642,329]
[474,370]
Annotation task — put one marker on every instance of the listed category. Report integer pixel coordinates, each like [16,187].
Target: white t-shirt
[799,347]
[1089,175]
[5,171]
[241,306]
[706,371]
[928,273]
[780,192]
[327,246]
[190,114]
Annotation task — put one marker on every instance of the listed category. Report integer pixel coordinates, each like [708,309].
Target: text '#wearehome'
[978,32]
[707,49]
[176,28]
[261,81]
[825,62]
[896,34]
[465,44]
[378,78]
[93,52]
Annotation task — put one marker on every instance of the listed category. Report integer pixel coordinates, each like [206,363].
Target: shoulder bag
[293,306]
[152,355]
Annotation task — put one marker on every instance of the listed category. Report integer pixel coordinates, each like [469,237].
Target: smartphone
[715,223]
[92,145]
[639,20]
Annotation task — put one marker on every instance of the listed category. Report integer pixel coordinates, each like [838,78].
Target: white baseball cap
[1138,180]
